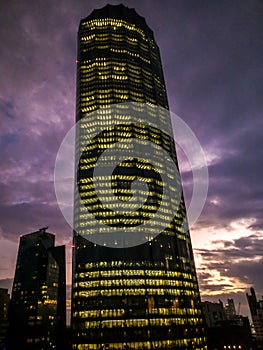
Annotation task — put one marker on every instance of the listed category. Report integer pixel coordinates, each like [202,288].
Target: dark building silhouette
[230,309]
[4,303]
[252,302]
[225,332]
[230,335]
[146,296]
[213,313]
[256,310]
[37,312]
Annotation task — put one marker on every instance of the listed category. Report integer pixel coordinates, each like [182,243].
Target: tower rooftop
[120,12]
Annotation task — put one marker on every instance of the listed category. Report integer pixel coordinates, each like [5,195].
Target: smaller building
[4,303]
[213,312]
[230,309]
[37,312]
[226,331]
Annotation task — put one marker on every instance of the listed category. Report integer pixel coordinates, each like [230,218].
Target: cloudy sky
[212,59]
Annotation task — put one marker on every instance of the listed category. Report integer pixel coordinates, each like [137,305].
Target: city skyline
[212,71]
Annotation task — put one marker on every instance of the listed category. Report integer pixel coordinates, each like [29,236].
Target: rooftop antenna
[43,228]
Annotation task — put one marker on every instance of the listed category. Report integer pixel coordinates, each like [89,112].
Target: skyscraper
[144,296]
[37,312]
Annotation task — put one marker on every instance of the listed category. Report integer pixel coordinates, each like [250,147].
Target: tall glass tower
[144,296]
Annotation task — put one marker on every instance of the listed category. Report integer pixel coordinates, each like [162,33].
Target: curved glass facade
[146,296]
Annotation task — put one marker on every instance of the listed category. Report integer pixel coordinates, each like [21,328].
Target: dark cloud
[240,259]
[24,218]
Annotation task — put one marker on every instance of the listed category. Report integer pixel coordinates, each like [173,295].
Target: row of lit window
[92,104]
[93,229]
[108,36]
[134,54]
[120,191]
[105,77]
[91,198]
[128,272]
[100,23]
[111,135]
[113,100]
[124,132]
[114,39]
[119,94]
[90,228]
[137,89]
[139,164]
[94,73]
[140,81]
[151,312]
[120,47]
[104,143]
[196,343]
[132,291]
[133,282]
[103,62]
[120,130]
[103,185]
[131,217]
[90,193]
[121,312]
[128,220]
[112,62]
[120,50]
[140,322]
[112,91]
[111,219]
[110,161]
[101,100]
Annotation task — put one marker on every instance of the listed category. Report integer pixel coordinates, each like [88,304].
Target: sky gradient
[212,58]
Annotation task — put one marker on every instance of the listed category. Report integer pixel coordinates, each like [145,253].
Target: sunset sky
[212,56]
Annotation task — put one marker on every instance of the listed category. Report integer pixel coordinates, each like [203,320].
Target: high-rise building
[230,309]
[37,312]
[4,302]
[144,296]
[256,310]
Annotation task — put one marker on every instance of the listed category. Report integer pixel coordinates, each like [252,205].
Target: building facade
[4,303]
[214,313]
[145,296]
[256,310]
[230,309]
[37,312]
[225,329]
